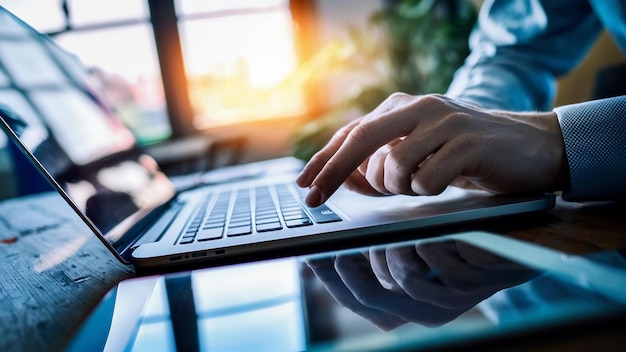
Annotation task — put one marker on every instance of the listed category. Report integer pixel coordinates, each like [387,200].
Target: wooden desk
[54,271]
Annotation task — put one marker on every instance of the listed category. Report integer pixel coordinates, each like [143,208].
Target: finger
[317,161]
[359,144]
[436,173]
[363,166]
[392,119]
[375,169]
[419,281]
[396,117]
[454,272]
[324,270]
[475,283]
[378,262]
[403,161]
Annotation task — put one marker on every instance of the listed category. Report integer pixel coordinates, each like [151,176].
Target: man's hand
[418,145]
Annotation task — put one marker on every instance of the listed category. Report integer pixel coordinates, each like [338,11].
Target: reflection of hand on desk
[428,283]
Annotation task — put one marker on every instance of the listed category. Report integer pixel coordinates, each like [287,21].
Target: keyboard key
[240,223]
[187,239]
[190,232]
[210,234]
[295,215]
[271,226]
[298,222]
[324,214]
[265,212]
[212,224]
[239,231]
[267,220]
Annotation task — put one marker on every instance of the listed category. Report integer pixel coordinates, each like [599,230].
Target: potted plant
[411,46]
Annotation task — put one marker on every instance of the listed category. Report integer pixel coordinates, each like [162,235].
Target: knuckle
[397,97]
[432,99]
[341,133]
[393,183]
[461,118]
[398,161]
[456,120]
[361,133]
[398,170]
[394,100]
[404,277]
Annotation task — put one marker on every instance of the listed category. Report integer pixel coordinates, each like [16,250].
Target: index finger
[324,270]
[317,161]
[361,141]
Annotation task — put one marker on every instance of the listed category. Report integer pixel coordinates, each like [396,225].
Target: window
[174,67]
[238,56]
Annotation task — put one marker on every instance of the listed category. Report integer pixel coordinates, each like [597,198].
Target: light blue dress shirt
[518,50]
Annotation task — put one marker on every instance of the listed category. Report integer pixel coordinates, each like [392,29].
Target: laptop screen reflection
[237,308]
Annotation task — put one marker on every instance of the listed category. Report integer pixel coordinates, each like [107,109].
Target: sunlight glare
[261,42]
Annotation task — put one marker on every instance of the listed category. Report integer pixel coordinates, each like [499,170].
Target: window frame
[164,22]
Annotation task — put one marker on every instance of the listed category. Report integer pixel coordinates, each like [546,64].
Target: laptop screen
[50,102]
[426,294]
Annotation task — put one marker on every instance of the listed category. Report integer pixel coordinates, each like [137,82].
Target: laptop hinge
[151,228]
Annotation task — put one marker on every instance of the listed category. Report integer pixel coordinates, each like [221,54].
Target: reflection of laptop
[492,292]
[79,145]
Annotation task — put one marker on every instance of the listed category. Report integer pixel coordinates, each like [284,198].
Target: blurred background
[205,83]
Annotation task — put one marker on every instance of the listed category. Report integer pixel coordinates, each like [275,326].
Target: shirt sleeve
[595,144]
[519,48]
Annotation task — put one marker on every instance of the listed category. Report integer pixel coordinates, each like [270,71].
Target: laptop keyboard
[212,221]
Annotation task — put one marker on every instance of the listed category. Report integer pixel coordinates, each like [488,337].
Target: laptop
[480,291]
[55,117]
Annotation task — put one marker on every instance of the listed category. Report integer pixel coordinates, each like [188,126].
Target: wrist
[549,146]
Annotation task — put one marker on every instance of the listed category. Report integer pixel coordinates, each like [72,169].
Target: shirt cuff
[595,144]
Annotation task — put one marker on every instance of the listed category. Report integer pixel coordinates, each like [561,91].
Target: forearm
[502,84]
[518,52]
